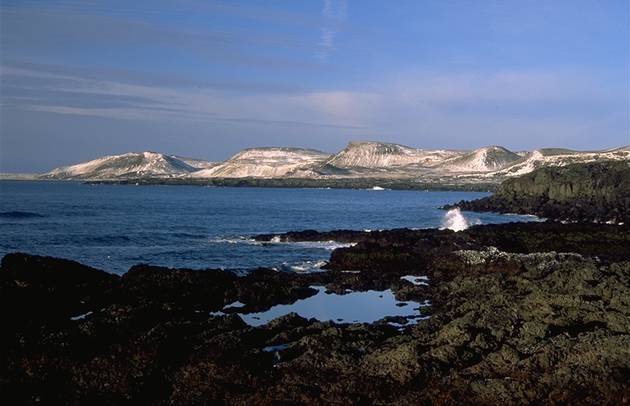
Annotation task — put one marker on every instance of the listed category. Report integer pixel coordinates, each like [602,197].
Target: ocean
[112,227]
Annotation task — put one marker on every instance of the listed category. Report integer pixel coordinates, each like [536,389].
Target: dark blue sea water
[113,227]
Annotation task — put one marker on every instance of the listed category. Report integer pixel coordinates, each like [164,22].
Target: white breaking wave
[304,267]
[239,240]
[327,245]
[277,240]
[454,220]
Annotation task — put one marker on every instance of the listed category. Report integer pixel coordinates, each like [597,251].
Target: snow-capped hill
[130,165]
[197,163]
[265,163]
[561,157]
[360,159]
[625,148]
[369,154]
[484,159]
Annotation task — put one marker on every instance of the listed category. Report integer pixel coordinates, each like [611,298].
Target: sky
[204,79]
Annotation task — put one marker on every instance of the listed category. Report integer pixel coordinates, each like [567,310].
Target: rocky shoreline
[594,192]
[520,313]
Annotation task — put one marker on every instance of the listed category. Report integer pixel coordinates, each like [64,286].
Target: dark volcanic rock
[312,235]
[521,313]
[532,328]
[36,289]
[411,251]
[581,192]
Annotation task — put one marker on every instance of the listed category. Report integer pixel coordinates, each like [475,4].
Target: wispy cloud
[333,14]
[46,91]
[421,104]
[42,30]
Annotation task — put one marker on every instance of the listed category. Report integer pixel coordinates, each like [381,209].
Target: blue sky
[80,79]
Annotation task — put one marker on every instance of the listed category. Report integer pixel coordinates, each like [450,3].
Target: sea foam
[454,220]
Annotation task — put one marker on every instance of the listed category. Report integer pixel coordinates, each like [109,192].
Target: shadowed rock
[597,192]
[36,289]
[521,313]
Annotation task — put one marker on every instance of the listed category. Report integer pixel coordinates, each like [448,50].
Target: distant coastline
[289,183]
[19,176]
[347,183]
[361,165]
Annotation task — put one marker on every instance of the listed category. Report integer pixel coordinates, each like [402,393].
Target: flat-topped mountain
[358,160]
[369,154]
[267,162]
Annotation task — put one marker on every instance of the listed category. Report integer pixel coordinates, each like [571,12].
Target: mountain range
[359,159]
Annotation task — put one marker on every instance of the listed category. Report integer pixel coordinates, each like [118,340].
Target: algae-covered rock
[535,313]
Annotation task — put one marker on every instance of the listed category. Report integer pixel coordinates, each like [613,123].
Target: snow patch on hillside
[539,158]
[359,159]
[133,164]
[197,163]
[265,163]
[484,159]
[368,154]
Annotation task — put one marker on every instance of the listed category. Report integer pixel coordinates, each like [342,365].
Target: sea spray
[454,220]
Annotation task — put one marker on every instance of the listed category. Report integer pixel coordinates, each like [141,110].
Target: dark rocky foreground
[521,313]
[598,192]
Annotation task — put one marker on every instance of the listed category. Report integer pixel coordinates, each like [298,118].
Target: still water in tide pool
[351,307]
[113,227]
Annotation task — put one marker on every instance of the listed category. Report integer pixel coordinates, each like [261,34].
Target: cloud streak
[75,95]
[517,109]
[409,103]
[334,14]
[43,31]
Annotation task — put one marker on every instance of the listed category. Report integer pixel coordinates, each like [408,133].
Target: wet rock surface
[521,313]
[597,192]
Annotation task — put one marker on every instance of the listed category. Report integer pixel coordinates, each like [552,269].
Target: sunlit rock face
[367,154]
[359,159]
[484,159]
[133,164]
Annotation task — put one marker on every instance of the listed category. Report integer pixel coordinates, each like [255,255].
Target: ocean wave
[187,235]
[237,240]
[531,217]
[303,267]
[327,245]
[108,239]
[455,220]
